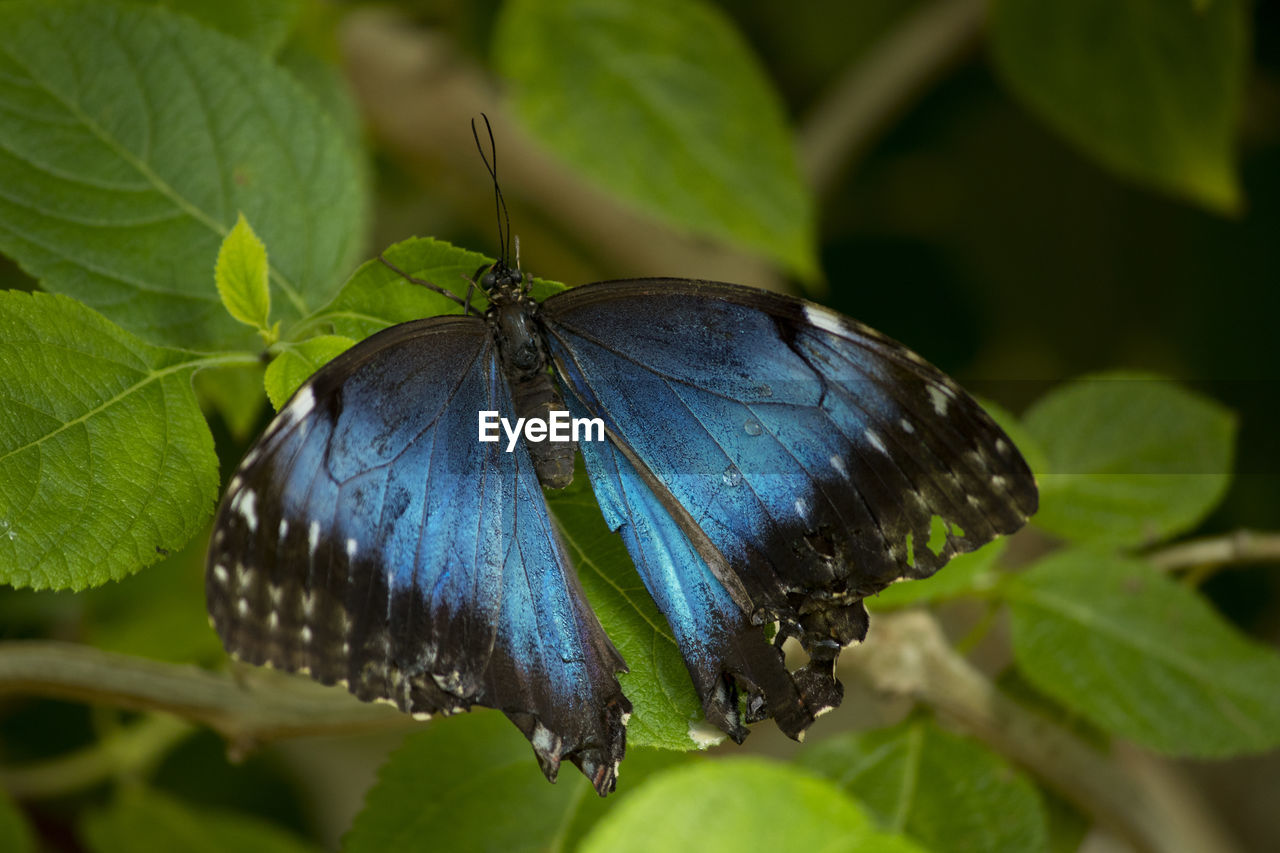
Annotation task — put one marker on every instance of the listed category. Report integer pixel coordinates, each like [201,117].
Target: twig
[906,654]
[1240,547]
[882,85]
[293,706]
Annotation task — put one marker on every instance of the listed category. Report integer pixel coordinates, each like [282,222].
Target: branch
[263,706]
[845,122]
[906,654]
[1238,548]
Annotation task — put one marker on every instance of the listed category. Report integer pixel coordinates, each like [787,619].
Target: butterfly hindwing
[817,460]
[726,654]
[370,538]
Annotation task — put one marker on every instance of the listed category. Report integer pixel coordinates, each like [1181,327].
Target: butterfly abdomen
[537,397]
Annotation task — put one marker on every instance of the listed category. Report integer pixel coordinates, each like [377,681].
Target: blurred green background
[965,226]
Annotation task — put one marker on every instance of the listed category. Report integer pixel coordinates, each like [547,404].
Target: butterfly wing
[370,539]
[808,460]
[714,634]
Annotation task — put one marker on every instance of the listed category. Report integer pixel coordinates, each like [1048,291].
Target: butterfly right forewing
[807,460]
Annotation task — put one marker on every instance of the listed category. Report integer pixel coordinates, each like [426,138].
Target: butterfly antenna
[500,203]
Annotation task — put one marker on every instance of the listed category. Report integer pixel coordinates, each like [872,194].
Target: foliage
[183,180]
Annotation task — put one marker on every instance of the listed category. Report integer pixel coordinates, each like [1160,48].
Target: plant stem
[1239,548]
[878,88]
[907,655]
[246,716]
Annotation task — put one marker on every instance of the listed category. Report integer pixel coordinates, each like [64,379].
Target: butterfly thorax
[513,318]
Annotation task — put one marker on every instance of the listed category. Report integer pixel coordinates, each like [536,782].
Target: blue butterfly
[767,462]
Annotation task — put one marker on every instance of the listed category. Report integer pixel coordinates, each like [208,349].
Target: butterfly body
[513,318]
[766,462]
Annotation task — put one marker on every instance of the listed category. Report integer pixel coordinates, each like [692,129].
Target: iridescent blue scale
[768,465]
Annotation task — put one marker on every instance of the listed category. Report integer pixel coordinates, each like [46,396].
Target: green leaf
[663,104]
[1150,88]
[304,58]
[15,833]
[292,367]
[133,136]
[946,792]
[265,24]
[1143,657]
[966,574]
[735,805]
[158,614]
[1132,458]
[105,459]
[140,821]
[241,274]
[377,296]
[666,710]
[466,783]
[442,785]
[639,765]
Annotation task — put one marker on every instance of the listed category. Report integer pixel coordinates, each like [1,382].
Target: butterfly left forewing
[369,538]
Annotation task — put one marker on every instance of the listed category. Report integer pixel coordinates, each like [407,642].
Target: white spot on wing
[305,633]
[313,538]
[248,500]
[544,742]
[939,399]
[907,426]
[242,606]
[1002,446]
[284,527]
[874,440]
[351,553]
[801,507]
[838,464]
[302,404]
[220,572]
[824,319]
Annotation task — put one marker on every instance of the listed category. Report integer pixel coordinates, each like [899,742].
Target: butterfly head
[501,283]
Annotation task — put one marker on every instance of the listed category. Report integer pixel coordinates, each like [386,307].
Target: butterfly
[767,462]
